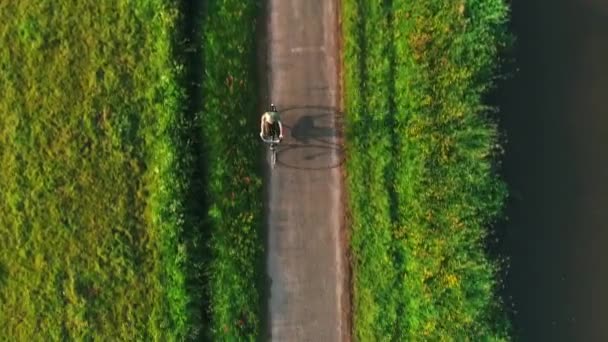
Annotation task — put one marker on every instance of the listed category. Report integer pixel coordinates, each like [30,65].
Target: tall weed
[426,66]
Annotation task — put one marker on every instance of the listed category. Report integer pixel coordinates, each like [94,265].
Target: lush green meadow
[90,185]
[129,200]
[421,170]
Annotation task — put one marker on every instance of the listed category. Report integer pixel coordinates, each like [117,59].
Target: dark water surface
[555,113]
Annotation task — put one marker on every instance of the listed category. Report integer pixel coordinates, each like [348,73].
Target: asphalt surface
[308,292]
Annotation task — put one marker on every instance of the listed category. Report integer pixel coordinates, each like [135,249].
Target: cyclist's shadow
[306,130]
[319,135]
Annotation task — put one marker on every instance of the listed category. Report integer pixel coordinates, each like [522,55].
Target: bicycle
[273,142]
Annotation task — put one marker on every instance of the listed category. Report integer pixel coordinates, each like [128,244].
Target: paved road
[308,294]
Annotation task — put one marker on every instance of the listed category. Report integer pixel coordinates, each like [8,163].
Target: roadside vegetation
[234,187]
[129,195]
[421,172]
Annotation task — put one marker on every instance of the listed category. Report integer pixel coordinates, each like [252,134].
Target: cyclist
[270,123]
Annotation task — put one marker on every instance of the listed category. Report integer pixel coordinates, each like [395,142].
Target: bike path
[308,292]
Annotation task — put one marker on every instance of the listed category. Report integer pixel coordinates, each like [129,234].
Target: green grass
[91,185]
[234,184]
[111,152]
[421,179]
[129,193]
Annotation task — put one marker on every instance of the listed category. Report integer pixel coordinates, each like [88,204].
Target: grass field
[91,187]
[421,171]
[129,193]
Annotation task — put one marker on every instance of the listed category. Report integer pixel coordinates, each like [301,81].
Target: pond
[554,111]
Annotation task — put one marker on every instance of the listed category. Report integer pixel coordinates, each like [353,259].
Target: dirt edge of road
[347,297]
[263,76]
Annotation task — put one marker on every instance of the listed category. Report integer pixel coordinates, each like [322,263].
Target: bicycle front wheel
[273,157]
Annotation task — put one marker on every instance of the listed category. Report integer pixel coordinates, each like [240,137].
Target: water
[555,113]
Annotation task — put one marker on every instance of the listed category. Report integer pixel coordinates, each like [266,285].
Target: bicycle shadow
[317,136]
